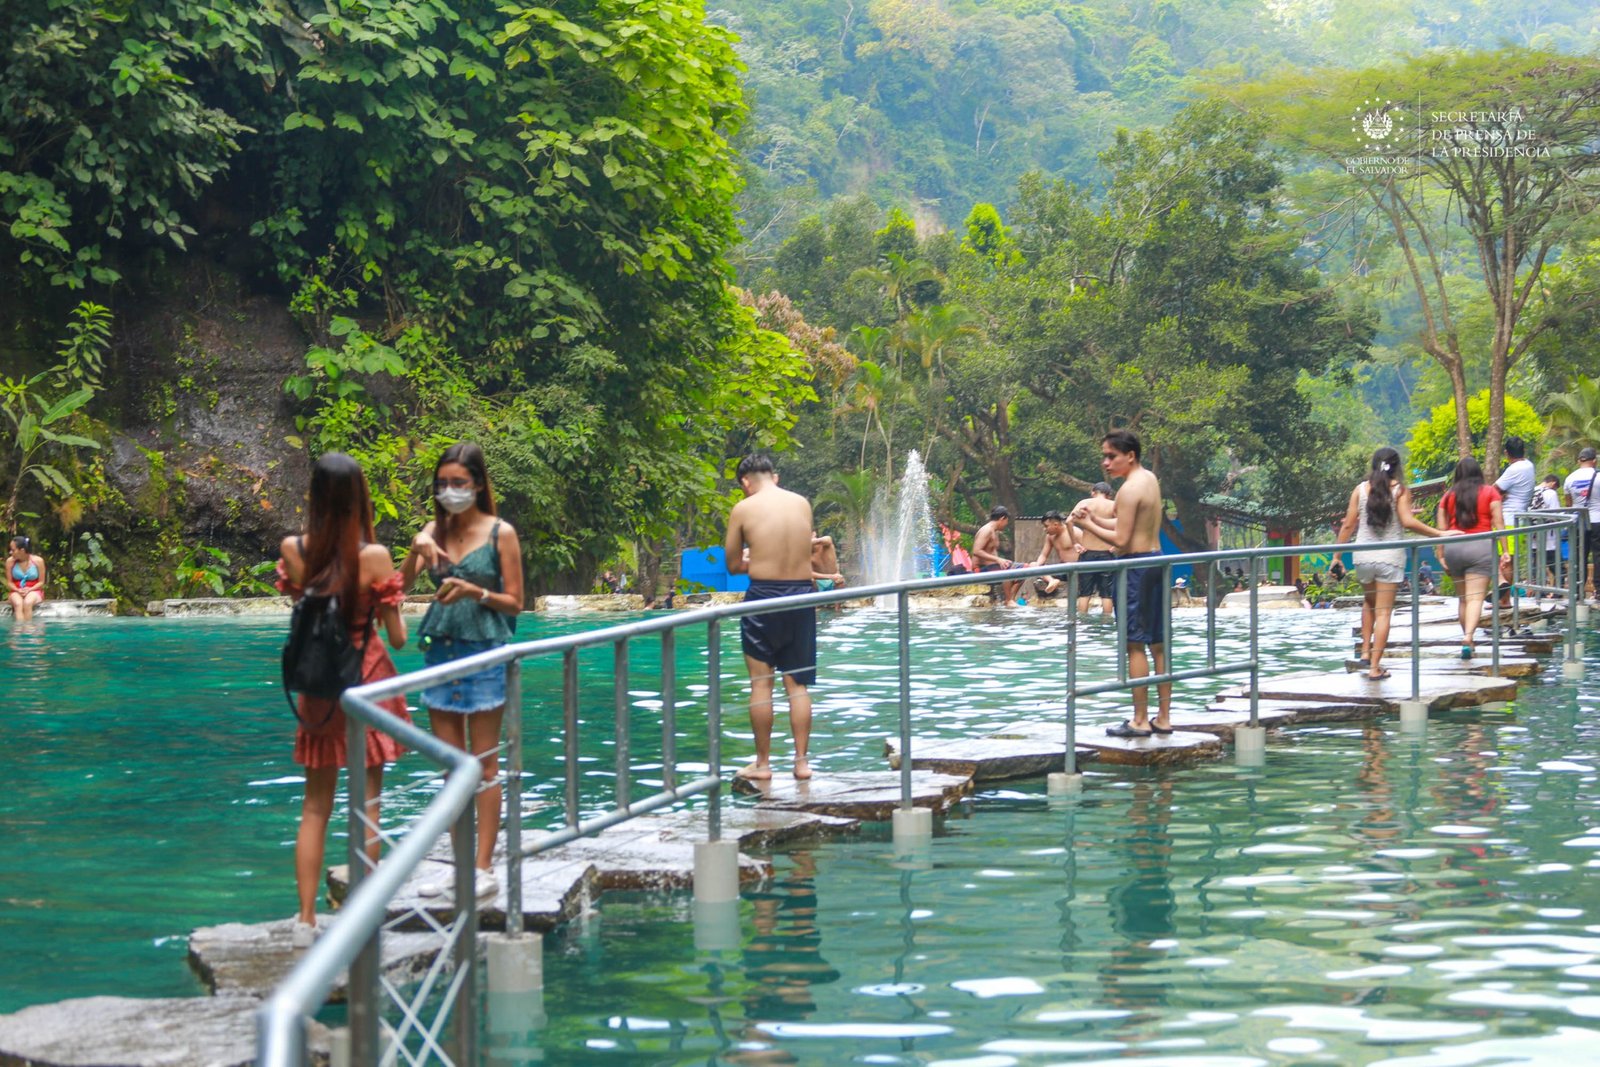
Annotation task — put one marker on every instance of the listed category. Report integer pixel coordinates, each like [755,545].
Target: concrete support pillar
[1572,669]
[339,1047]
[1583,612]
[716,871]
[1250,745]
[1413,716]
[1062,784]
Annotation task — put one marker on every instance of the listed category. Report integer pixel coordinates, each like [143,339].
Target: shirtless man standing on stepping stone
[1135,531]
[769,538]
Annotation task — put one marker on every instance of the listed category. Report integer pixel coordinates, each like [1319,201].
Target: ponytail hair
[1468,492]
[1380,494]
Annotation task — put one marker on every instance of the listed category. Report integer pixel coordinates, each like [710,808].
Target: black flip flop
[1380,676]
[1126,729]
[1158,731]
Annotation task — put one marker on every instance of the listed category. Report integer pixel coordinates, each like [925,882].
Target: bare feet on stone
[802,769]
[755,772]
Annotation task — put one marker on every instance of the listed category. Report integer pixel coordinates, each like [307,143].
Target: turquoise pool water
[1366,897]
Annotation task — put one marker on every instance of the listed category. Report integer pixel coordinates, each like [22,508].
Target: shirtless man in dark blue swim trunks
[769,538]
[1135,530]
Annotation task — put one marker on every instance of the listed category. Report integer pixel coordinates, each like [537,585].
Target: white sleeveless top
[1390,532]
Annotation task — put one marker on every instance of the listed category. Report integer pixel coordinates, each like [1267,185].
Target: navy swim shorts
[785,640]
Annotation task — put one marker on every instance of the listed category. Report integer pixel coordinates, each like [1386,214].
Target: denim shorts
[483,691]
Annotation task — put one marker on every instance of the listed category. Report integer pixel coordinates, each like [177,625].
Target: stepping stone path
[653,852]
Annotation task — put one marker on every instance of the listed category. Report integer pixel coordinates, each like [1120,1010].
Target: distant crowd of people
[1380,510]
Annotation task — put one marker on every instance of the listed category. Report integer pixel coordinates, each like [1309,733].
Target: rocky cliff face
[200,451]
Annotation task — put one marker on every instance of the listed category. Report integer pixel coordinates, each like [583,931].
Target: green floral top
[466,619]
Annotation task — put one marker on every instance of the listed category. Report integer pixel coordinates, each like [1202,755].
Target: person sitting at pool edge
[1063,541]
[1134,532]
[769,538]
[824,563]
[986,551]
[24,578]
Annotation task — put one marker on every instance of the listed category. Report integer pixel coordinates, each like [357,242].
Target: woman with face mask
[475,558]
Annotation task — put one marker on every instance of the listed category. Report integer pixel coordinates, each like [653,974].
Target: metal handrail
[356,934]
[351,943]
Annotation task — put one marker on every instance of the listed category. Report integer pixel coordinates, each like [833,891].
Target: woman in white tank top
[1380,508]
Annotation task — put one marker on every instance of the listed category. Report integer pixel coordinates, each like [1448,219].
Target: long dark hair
[1380,497]
[1467,488]
[469,456]
[338,523]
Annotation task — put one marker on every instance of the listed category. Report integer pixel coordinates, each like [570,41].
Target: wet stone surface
[251,959]
[133,1032]
[1438,689]
[983,759]
[553,891]
[870,795]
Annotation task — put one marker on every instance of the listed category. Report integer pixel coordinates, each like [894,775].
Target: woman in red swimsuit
[337,554]
[24,578]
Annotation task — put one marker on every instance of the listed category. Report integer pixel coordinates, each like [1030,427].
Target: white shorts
[1367,573]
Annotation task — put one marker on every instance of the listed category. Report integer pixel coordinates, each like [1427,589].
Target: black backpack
[320,659]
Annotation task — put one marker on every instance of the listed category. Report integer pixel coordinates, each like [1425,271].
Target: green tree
[1574,419]
[1503,145]
[1432,450]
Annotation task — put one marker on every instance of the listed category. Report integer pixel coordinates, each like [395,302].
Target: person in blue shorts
[1135,531]
[769,538]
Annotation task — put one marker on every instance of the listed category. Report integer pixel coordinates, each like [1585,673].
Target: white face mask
[455,501]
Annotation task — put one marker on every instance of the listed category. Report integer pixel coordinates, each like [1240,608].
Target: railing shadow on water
[354,942]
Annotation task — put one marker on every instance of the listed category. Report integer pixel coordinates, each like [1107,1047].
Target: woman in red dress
[337,554]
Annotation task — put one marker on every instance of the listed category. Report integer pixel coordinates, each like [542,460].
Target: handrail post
[1068,780]
[1577,567]
[513,797]
[364,1010]
[1211,614]
[912,827]
[669,709]
[569,740]
[1255,644]
[619,693]
[903,624]
[1121,604]
[464,958]
[1494,611]
[1071,764]
[1416,630]
[714,729]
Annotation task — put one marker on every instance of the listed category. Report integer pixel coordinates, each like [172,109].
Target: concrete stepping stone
[756,828]
[1541,644]
[1182,746]
[983,759]
[553,891]
[869,795]
[1510,666]
[1224,717]
[1095,746]
[134,1032]
[1295,712]
[1438,689]
[641,858]
[252,959]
